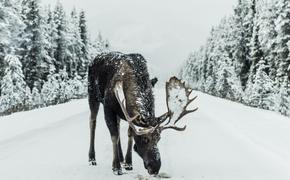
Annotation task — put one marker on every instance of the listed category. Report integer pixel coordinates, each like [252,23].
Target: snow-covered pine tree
[62,53]
[256,53]
[283,99]
[65,87]
[228,48]
[75,44]
[11,26]
[34,55]
[268,34]
[228,84]
[242,35]
[187,70]
[248,22]
[28,100]
[209,62]
[101,44]
[50,90]
[53,48]
[13,87]
[82,66]
[37,100]
[283,37]
[193,69]
[78,86]
[200,56]
[261,92]
[51,36]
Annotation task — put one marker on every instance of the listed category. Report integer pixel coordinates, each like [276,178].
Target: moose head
[147,138]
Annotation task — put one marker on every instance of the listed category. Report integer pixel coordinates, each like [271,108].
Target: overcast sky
[164,31]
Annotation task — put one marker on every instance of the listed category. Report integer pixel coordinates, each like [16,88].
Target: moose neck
[139,98]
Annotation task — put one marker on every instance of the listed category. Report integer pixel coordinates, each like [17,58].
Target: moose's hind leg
[113,125]
[128,159]
[120,152]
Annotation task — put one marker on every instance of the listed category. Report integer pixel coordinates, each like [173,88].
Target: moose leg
[120,152]
[113,125]
[128,158]
[94,107]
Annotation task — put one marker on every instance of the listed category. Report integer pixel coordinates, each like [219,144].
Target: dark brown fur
[131,69]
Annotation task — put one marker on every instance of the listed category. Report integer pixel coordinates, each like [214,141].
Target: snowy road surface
[224,140]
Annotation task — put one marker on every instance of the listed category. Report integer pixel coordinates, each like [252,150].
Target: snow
[223,140]
[177,100]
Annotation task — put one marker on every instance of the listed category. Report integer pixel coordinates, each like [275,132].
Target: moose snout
[151,159]
[153,167]
[151,172]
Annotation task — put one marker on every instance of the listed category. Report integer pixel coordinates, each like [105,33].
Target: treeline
[44,55]
[246,57]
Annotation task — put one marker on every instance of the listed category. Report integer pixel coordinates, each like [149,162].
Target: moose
[121,83]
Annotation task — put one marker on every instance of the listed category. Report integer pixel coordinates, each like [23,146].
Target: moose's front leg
[113,125]
[94,107]
[128,158]
[92,158]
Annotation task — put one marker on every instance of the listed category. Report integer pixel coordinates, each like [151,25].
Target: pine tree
[62,51]
[248,23]
[101,44]
[65,88]
[260,92]
[11,26]
[193,69]
[268,34]
[34,54]
[282,40]
[51,36]
[228,85]
[54,51]
[256,53]
[283,100]
[78,87]
[82,66]
[74,44]
[37,100]
[187,70]
[209,60]
[50,90]
[241,32]
[248,51]
[13,86]
[28,102]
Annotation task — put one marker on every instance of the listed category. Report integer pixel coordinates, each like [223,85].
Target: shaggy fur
[107,68]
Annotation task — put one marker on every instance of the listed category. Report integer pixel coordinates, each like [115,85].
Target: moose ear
[154,81]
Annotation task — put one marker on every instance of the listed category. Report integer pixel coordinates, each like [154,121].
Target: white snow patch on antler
[177,100]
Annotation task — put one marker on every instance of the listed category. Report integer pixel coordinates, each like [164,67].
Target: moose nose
[152,172]
[152,168]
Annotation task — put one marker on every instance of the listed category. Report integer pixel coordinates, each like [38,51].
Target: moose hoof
[92,162]
[117,171]
[128,167]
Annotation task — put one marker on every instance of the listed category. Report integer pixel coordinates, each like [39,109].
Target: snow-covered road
[224,140]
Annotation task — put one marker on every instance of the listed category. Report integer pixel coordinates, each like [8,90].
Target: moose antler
[119,93]
[177,100]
